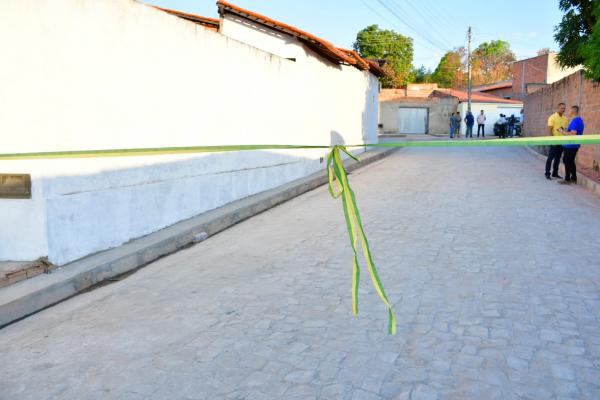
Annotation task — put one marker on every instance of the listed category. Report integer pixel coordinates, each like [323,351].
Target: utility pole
[469,85]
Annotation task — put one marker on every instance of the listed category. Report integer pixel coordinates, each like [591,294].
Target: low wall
[572,90]
[88,74]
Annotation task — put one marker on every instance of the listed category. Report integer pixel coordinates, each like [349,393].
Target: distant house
[425,108]
[414,109]
[529,75]
[491,105]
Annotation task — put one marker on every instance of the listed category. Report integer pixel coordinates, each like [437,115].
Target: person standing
[470,121]
[557,123]
[452,125]
[457,122]
[481,124]
[501,126]
[576,127]
[511,125]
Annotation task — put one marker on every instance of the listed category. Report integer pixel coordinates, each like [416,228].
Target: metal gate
[413,120]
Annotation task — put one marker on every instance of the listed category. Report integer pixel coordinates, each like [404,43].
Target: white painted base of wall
[81,206]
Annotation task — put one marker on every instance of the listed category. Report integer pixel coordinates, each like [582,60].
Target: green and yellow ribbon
[339,186]
[338,175]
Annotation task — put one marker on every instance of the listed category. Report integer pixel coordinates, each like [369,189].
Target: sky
[435,25]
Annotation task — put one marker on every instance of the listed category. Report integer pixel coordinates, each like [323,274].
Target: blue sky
[435,25]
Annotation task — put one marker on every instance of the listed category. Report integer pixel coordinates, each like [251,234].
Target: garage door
[412,120]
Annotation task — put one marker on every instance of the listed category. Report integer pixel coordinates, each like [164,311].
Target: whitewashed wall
[88,74]
[492,113]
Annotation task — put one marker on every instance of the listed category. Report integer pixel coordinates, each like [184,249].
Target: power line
[440,37]
[435,48]
[416,31]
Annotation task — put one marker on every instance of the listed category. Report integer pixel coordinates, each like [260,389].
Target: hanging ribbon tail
[338,175]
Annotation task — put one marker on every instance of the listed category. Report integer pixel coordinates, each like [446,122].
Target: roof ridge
[224,5]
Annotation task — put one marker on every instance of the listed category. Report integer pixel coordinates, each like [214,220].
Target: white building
[492,107]
[89,74]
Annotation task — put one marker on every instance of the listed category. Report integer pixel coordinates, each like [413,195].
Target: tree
[450,72]
[578,35]
[542,51]
[590,51]
[492,62]
[574,30]
[394,48]
[422,75]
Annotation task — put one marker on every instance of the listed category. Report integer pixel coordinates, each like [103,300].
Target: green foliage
[450,72]
[492,62]
[394,48]
[590,51]
[422,75]
[574,30]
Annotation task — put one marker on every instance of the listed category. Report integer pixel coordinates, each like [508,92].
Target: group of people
[507,126]
[455,121]
[560,125]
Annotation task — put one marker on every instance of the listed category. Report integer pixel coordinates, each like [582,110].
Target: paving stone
[517,363]
[550,335]
[300,376]
[423,392]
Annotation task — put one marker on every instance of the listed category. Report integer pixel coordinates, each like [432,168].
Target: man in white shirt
[502,126]
[481,124]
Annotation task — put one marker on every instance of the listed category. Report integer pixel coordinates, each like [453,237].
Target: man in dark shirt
[470,121]
[576,127]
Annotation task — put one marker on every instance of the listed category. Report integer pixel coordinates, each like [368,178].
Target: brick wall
[506,92]
[572,90]
[531,70]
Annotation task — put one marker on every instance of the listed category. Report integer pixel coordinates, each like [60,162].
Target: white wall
[556,72]
[492,112]
[88,74]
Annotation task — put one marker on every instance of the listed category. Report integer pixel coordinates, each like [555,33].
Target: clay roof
[492,86]
[375,67]
[210,23]
[361,63]
[476,97]
[317,44]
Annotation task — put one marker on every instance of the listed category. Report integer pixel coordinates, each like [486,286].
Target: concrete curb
[30,296]
[582,180]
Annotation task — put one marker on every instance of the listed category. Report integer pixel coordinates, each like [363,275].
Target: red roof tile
[319,45]
[361,63]
[210,23]
[493,86]
[375,68]
[477,97]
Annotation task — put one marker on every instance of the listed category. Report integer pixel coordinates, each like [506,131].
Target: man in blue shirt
[470,121]
[575,127]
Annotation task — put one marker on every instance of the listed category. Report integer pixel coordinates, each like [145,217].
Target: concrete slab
[29,296]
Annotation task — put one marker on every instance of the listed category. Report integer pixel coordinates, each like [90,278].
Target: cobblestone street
[494,274]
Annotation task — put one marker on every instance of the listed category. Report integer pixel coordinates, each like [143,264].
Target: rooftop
[317,44]
[476,97]
[492,86]
[210,23]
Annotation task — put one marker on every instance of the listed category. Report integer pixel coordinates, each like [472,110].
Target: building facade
[88,75]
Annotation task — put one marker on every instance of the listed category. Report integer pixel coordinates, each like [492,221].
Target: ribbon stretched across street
[339,185]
